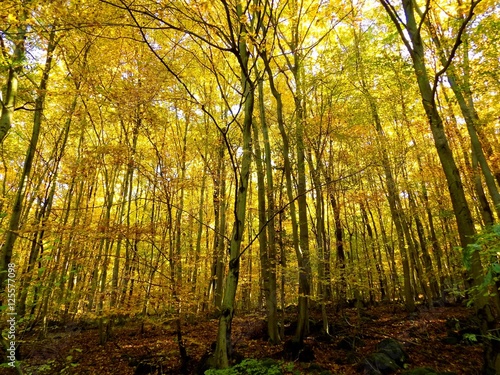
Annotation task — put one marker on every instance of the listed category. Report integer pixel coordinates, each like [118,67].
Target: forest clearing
[250,187]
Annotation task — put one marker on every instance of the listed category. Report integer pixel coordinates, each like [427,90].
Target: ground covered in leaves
[442,338]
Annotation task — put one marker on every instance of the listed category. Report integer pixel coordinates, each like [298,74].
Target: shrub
[488,245]
[250,366]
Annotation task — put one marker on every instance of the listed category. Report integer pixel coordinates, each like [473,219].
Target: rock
[378,364]
[438,303]
[394,350]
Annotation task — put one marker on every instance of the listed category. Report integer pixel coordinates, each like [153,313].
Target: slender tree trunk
[266,222]
[391,259]
[373,251]
[396,210]
[463,95]
[199,235]
[118,295]
[320,234]
[304,262]
[107,241]
[339,245]
[392,193]
[379,263]
[223,347]
[14,223]
[14,69]
[219,199]
[302,325]
[461,209]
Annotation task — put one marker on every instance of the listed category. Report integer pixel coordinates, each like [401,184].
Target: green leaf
[495,267]
[470,337]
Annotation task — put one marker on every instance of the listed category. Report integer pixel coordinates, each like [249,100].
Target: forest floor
[435,338]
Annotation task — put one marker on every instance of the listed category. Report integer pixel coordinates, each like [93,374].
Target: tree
[415,47]
[12,233]
[12,43]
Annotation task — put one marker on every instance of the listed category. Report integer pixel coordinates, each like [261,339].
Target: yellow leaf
[11,18]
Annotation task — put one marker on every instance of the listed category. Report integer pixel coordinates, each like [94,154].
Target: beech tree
[428,89]
[160,160]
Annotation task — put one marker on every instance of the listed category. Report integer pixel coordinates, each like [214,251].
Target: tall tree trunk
[396,210]
[392,193]
[266,218]
[463,95]
[220,248]
[304,262]
[14,69]
[426,258]
[107,245]
[127,197]
[320,235]
[12,231]
[373,251]
[301,326]
[339,243]
[461,209]
[223,347]
[199,235]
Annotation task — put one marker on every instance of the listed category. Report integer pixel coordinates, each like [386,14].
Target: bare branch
[168,25]
[458,42]
[396,20]
[423,15]
[281,209]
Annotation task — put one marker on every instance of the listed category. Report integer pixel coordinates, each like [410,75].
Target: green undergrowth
[251,366]
[268,366]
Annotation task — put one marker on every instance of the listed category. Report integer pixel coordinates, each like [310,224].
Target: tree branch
[397,22]
[458,42]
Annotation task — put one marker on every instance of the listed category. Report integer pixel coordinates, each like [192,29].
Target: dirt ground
[436,338]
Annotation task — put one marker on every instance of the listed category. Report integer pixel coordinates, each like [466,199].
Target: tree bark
[223,347]
[15,68]
[14,223]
